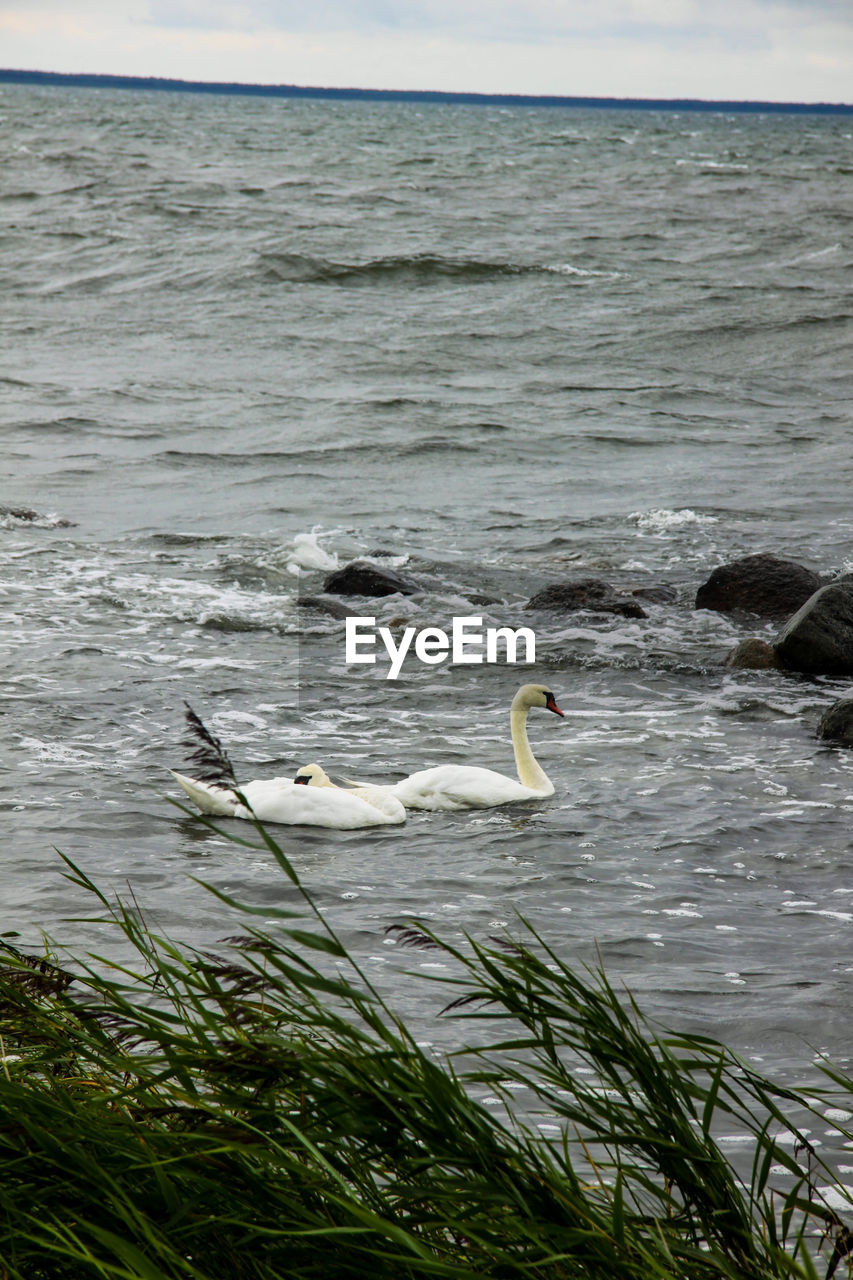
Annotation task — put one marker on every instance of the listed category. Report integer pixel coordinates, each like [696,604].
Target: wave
[176,539]
[236,623]
[31,194]
[662,519]
[321,453]
[419,268]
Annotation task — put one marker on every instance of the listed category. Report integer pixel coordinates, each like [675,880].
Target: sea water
[246,341]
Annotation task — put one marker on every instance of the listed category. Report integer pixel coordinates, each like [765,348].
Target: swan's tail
[208,754]
[209,799]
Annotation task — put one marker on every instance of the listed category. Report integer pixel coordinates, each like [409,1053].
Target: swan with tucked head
[462,786]
[276,799]
[315,776]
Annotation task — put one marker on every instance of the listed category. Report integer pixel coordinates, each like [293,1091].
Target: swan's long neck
[530,772]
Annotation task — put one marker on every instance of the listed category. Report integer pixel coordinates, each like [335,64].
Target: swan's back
[379,797]
[281,801]
[460,786]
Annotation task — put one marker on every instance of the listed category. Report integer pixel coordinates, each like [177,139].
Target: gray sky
[778,50]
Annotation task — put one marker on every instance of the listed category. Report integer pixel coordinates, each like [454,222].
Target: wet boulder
[754,655]
[836,724]
[761,584]
[818,640]
[586,593]
[361,578]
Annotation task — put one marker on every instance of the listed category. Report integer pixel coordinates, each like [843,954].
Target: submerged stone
[586,593]
[333,607]
[836,724]
[661,594]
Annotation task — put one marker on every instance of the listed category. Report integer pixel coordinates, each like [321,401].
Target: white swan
[282,800]
[276,799]
[380,797]
[462,786]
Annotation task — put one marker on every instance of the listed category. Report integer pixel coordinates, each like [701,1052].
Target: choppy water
[245,340]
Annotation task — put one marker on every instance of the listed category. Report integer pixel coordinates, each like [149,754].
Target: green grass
[264,1113]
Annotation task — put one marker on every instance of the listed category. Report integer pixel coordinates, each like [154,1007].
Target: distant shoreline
[158,83]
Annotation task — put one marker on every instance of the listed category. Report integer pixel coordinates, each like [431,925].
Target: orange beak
[551,705]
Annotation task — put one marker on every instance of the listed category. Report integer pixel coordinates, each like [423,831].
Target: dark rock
[34,517]
[837,723]
[819,638]
[754,655]
[333,607]
[359,578]
[759,584]
[586,593]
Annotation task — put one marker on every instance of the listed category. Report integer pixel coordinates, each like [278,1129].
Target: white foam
[662,518]
[58,753]
[566,269]
[307,554]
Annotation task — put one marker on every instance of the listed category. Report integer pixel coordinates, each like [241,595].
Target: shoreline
[82,80]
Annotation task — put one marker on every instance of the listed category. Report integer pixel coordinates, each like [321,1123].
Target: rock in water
[819,638]
[754,655]
[662,594]
[836,724]
[759,584]
[332,607]
[360,578]
[586,593]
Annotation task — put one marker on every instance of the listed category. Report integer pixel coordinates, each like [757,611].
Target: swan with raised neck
[530,772]
[461,786]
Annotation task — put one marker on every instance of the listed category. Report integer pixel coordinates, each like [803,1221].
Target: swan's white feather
[460,786]
[280,800]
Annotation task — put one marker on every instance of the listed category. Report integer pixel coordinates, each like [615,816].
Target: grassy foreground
[264,1113]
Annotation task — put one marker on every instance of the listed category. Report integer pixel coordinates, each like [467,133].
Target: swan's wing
[380,795]
[284,802]
[485,789]
[451,786]
[383,799]
[344,810]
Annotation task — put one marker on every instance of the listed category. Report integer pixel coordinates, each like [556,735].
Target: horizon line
[96,80]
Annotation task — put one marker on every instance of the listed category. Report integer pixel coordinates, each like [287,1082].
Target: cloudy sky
[778,50]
